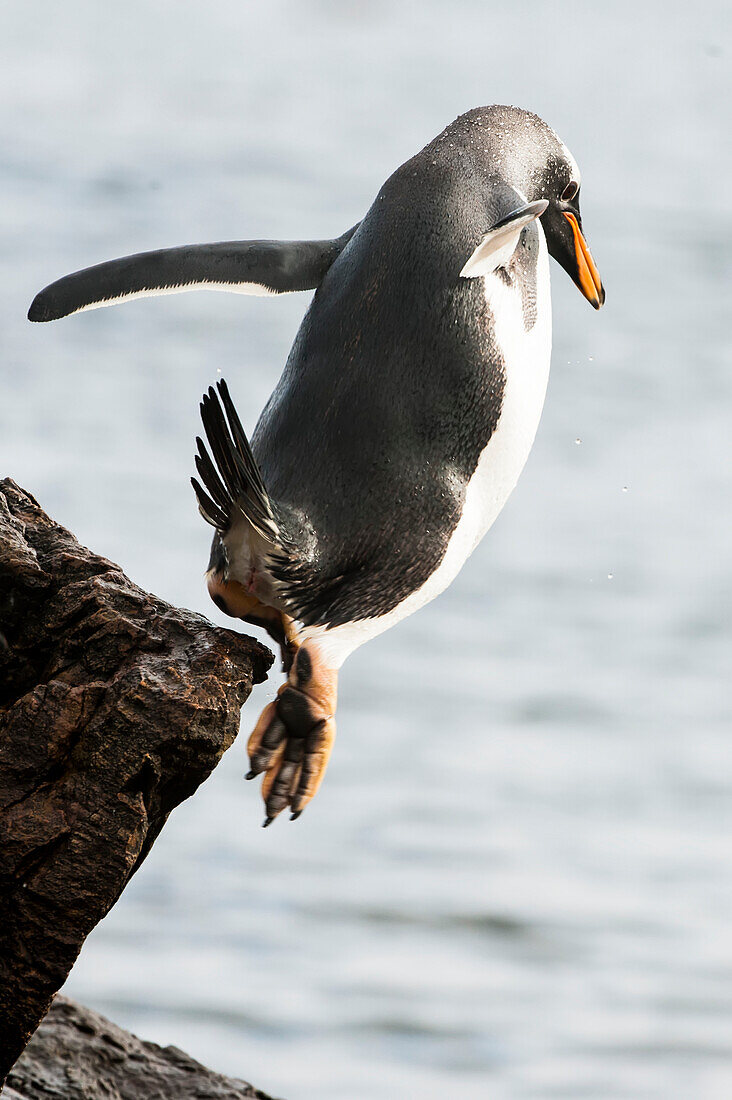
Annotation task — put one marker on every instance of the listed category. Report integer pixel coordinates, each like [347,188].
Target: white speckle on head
[573,166]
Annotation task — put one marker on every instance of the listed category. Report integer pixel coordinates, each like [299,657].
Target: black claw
[251,775]
[267,821]
[294,816]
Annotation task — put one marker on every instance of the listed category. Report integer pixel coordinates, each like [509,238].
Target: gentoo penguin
[404,416]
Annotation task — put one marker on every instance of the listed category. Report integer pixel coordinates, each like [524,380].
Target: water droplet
[578,441]
[625,488]
[610,576]
[590,359]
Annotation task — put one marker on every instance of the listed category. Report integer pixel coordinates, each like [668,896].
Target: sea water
[516,881]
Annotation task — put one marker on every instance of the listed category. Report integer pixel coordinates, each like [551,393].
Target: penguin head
[531,159]
[562,224]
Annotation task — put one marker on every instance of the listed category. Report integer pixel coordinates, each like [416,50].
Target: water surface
[516,881]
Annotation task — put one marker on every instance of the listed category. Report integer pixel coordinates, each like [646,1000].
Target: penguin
[406,411]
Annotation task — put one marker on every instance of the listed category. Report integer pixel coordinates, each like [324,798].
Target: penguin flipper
[510,214]
[243,267]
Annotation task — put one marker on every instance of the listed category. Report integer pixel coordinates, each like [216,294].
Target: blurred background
[546,911]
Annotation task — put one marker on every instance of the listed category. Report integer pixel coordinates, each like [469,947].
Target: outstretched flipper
[243,267]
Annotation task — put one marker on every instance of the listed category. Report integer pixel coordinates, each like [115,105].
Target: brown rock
[114,707]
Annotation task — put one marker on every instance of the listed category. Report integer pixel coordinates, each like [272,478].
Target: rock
[114,707]
[78,1055]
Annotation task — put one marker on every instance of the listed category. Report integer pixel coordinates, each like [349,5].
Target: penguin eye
[570,191]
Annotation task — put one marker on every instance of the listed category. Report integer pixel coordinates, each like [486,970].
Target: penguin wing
[244,267]
[510,212]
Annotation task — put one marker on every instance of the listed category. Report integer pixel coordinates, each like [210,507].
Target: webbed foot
[293,738]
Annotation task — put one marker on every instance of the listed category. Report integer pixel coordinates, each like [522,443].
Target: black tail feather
[210,478]
[240,438]
[232,479]
[210,511]
[218,504]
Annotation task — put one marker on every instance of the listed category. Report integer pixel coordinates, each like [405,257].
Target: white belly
[526,356]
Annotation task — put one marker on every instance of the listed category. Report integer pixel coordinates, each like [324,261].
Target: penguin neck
[520,309]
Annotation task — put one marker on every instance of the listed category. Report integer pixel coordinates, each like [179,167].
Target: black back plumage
[391,391]
[394,384]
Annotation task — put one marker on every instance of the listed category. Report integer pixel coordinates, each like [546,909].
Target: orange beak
[589,277]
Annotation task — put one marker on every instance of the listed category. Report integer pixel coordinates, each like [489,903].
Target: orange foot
[294,736]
